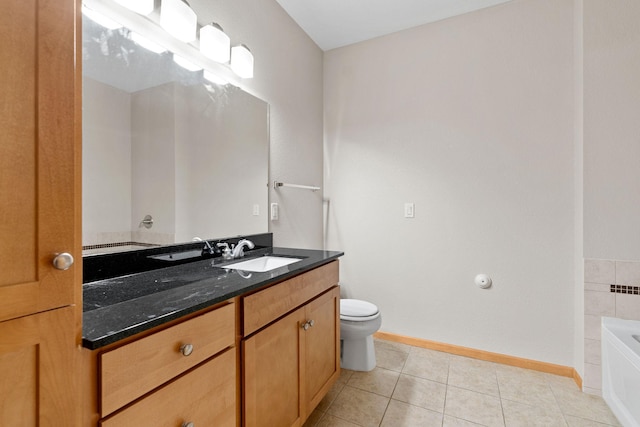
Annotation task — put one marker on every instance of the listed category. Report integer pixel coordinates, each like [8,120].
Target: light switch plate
[409,210]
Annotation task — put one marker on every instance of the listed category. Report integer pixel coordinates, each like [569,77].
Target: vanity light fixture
[146,43]
[173,27]
[185,63]
[242,61]
[100,18]
[214,78]
[142,7]
[178,19]
[214,43]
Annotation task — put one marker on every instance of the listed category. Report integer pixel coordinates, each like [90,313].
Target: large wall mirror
[159,140]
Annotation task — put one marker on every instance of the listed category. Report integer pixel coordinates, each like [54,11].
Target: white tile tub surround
[627,273]
[599,301]
[599,271]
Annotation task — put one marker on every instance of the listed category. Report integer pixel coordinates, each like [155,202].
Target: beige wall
[221,149]
[471,119]
[612,129]
[153,153]
[288,75]
[106,160]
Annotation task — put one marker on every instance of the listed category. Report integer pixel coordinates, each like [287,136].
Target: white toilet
[359,320]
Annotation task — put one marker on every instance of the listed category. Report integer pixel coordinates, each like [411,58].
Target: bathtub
[621,369]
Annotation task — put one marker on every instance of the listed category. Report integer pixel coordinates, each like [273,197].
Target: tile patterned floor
[413,387]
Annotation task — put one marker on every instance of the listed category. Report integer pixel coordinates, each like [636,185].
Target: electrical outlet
[256,210]
[274,212]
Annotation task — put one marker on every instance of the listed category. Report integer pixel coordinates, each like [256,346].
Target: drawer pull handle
[306,325]
[186,350]
[188,424]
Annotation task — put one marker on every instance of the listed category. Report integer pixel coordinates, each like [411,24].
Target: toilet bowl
[359,320]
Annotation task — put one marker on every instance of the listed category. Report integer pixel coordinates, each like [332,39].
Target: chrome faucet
[238,250]
[226,250]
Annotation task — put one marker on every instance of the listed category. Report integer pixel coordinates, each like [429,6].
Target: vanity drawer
[134,369]
[267,305]
[205,396]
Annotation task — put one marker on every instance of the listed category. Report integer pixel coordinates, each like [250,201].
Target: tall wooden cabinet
[39,212]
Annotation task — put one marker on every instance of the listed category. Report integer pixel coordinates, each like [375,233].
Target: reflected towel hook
[147,222]
[277,184]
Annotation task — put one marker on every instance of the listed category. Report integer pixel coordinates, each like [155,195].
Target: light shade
[178,19]
[214,78]
[100,18]
[143,7]
[214,43]
[185,63]
[146,43]
[242,61]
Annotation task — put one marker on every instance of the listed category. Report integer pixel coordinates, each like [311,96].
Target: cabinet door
[39,165]
[36,367]
[322,347]
[271,361]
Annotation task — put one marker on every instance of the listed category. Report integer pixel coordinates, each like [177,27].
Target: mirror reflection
[162,143]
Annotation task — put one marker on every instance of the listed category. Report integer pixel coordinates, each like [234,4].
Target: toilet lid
[354,308]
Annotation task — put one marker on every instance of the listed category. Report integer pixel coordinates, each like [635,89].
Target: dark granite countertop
[123,306]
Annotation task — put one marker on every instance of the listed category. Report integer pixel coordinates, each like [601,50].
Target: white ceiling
[337,23]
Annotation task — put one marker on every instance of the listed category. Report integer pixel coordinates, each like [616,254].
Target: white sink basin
[262,264]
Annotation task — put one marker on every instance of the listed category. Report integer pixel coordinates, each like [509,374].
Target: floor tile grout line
[385,412]
[504,417]
[557,402]
[444,405]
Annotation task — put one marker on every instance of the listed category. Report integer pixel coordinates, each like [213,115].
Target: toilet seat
[357,310]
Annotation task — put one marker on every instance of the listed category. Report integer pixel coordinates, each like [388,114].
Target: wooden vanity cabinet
[293,359]
[289,337]
[183,373]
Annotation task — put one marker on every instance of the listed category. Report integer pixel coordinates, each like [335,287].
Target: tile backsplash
[611,289]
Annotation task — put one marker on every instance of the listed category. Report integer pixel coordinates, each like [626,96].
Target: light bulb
[242,61]
[214,43]
[178,19]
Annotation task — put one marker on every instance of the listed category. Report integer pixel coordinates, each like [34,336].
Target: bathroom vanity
[198,344]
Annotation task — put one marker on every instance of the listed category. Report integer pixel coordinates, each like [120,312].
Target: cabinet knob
[186,350]
[63,261]
[188,424]
[306,325]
